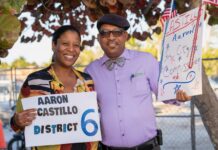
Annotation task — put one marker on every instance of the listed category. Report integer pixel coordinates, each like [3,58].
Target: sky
[39,52]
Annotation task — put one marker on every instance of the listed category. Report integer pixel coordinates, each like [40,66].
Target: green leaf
[9,31]
[12,5]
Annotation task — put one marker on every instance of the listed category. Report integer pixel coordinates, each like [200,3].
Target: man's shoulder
[93,67]
[94,63]
[139,54]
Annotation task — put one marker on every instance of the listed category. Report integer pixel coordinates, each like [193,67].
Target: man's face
[112,40]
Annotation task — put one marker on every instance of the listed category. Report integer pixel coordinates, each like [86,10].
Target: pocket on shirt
[140,86]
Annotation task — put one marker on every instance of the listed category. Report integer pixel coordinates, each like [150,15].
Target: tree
[22,63]
[47,13]
[50,14]
[211,67]
[4,66]
[10,26]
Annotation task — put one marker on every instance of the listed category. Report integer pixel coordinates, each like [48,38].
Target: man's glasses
[115,33]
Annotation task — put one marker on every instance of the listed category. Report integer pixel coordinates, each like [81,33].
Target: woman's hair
[61,30]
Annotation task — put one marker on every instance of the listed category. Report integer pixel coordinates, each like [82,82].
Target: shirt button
[118,80]
[119,93]
[123,134]
[119,106]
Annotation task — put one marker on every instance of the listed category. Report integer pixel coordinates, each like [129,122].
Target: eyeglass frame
[107,33]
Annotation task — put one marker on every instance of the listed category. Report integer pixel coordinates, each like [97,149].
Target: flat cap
[113,19]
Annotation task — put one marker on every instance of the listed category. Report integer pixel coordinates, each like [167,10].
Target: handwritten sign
[181,62]
[63,118]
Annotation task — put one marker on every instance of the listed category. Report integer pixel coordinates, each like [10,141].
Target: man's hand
[182,96]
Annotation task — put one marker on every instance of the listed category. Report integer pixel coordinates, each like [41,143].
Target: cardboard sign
[63,118]
[181,62]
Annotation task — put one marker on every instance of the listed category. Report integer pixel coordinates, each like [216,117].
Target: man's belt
[148,145]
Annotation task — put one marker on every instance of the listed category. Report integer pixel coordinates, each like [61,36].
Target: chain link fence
[181,126]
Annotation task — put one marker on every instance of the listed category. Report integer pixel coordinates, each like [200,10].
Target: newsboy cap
[113,19]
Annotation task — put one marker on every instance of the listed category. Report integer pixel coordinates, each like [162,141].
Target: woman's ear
[53,47]
[98,37]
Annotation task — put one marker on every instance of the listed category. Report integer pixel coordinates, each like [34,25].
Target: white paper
[73,119]
[181,61]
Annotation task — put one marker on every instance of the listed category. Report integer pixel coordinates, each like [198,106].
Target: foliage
[48,12]
[48,15]
[211,66]
[9,32]
[10,26]
[12,6]
[4,66]
[147,46]
[87,56]
[22,63]
[213,11]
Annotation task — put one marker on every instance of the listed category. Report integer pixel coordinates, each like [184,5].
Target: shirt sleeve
[153,69]
[153,79]
[86,70]
[19,108]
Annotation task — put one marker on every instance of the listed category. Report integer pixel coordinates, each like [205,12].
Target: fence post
[193,137]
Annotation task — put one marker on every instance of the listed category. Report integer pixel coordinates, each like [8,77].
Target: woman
[59,77]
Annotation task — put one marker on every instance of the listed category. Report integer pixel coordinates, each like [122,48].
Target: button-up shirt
[125,98]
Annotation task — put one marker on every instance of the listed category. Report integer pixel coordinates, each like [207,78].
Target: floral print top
[44,82]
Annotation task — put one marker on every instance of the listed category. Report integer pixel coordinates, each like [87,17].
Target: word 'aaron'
[51,99]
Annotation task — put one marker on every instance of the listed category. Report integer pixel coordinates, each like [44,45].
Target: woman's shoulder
[86,76]
[42,73]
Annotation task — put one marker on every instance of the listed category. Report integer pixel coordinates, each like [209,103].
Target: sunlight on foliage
[21,62]
[211,66]
[87,56]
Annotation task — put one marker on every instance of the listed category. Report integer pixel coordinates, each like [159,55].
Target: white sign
[63,118]
[181,62]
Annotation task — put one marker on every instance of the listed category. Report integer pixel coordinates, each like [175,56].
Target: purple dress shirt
[125,98]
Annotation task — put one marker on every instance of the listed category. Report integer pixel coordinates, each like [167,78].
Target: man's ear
[127,36]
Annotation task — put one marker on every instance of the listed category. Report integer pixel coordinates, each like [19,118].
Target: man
[124,81]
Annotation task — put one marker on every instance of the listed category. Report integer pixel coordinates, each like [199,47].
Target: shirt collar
[125,54]
[53,74]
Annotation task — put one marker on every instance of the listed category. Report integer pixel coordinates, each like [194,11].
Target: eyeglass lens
[115,33]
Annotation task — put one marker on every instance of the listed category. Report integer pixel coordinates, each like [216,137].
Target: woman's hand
[182,96]
[25,117]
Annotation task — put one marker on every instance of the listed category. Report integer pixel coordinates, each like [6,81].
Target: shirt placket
[119,102]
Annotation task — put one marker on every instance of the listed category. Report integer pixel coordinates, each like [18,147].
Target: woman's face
[67,49]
